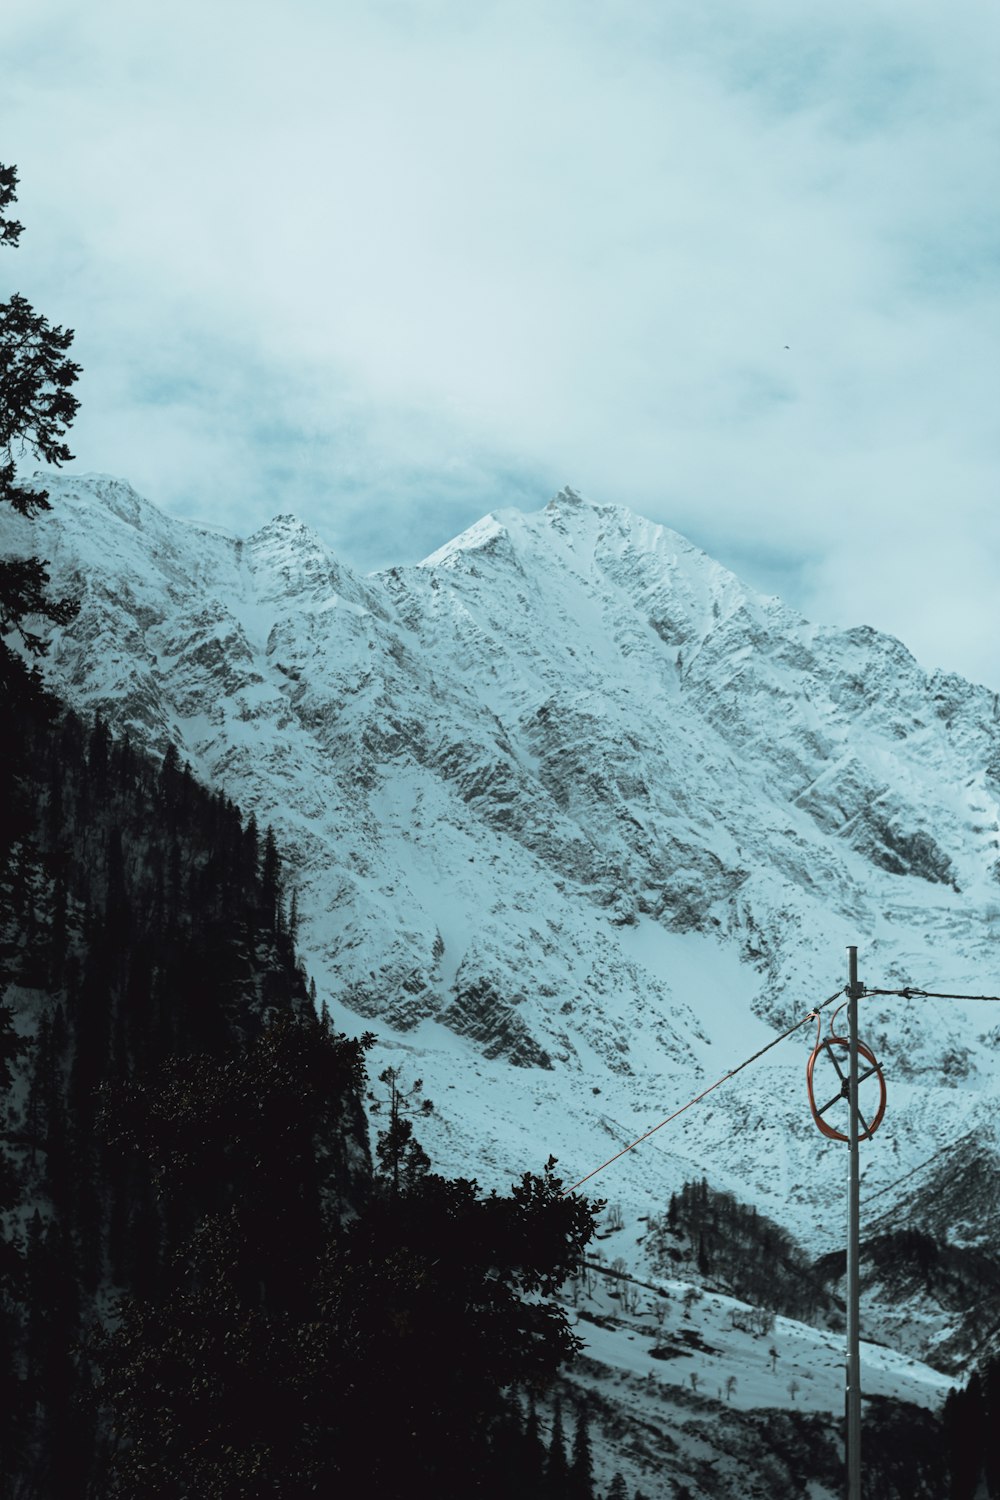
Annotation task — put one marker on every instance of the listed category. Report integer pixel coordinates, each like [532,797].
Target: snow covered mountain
[577,820]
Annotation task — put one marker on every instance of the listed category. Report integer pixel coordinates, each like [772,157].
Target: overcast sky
[390,264]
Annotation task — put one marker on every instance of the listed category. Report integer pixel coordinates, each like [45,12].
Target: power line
[665,1175]
[813,1014]
[950,1145]
[910,993]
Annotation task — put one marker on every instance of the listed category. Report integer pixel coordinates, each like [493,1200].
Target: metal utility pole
[853,1390]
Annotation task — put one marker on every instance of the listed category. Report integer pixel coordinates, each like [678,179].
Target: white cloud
[381,257]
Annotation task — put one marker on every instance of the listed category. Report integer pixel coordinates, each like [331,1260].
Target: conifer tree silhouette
[36,408]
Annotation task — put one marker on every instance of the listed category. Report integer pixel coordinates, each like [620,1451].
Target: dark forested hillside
[734,1247]
[140,921]
[204,1290]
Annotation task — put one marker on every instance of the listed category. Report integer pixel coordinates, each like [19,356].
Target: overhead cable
[948,1146]
[910,993]
[812,1015]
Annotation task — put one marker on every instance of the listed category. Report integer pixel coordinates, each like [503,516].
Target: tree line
[737,1249]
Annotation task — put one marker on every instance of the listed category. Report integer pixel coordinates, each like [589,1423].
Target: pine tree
[13,1416]
[402,1160]
[270,879]
[12,1047]
[250,846]
[556,1466]
[35,1283]
[581,1468]
[965,1432]
[534,1448]
[991,1403]
[36,408]
[11,1265]
[58,924]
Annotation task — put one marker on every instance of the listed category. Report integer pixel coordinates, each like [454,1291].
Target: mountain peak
[483,535]
[285,527]
[567,496]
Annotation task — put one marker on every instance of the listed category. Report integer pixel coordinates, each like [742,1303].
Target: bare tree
[755,1320]
[793,1388]
[691,1296]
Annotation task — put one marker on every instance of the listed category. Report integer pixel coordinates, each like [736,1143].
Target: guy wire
[712,1086]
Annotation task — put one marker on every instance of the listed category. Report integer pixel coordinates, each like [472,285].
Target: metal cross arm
[828,1048]
[844,1091]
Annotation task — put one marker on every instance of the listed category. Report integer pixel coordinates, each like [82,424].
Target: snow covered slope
[681,1395]
[576,821]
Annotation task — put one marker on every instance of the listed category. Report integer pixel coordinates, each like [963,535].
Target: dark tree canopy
[36,402]
[10,229]
[145,942]
[37,406]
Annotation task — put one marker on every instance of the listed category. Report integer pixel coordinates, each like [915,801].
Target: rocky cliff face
[576,819]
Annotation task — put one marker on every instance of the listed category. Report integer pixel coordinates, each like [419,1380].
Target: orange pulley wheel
[827,1049]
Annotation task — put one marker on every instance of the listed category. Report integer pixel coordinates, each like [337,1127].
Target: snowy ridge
[576,819]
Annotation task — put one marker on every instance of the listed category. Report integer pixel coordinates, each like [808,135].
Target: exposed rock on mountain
[577,818]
